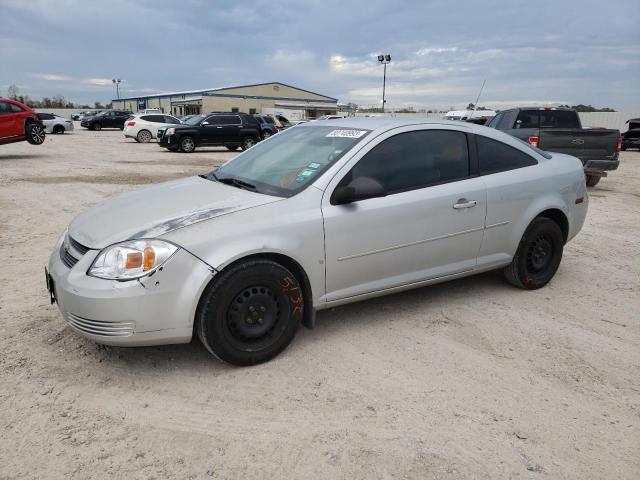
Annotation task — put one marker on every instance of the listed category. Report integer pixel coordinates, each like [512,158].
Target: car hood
[155,211]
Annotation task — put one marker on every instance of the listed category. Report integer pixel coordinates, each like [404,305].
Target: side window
[527,119]
[5,108]
[214,120]
[157,118]
[170,119]
[230,119]
[415,159]
[559,119]
[494,121]
[495,156]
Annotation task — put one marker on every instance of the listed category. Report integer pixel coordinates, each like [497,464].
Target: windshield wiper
[235,182]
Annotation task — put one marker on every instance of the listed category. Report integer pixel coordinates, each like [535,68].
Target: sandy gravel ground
[468,379]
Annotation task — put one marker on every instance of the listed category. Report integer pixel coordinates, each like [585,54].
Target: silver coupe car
[322,214]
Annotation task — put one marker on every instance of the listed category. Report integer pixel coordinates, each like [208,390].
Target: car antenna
[475,105]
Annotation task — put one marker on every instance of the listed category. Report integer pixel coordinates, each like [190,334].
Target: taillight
[534,140]
[131,124]
[618,144]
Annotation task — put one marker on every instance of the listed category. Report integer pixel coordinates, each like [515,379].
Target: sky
[542,53]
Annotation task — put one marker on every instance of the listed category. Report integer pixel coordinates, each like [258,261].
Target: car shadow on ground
[335,321]
[27,156]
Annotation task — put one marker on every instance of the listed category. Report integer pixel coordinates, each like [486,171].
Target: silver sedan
[323,214]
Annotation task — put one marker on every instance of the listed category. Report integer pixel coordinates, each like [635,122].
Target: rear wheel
[538,256]
[34,134]
[248,142]
[250,312]
[592,180]
[144,136]
[266,135]
[233,148]
[58,129]
[187,144]
[97,127]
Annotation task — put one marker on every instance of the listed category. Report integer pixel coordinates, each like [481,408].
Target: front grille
[66,257]
[78,247]
[100,327]
[71,251]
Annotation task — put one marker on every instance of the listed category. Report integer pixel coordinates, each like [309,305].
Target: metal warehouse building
[271,98]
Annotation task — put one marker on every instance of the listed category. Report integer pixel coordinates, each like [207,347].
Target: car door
[211,130]
[429,225]
[231,129]
[513,181]
[8,127]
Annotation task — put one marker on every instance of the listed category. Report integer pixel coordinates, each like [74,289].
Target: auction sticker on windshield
[347,133]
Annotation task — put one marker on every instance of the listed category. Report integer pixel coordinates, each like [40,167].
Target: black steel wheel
[250,312]
[538,256]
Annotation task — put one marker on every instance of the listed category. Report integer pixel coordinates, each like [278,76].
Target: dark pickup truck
[232,130]
[559,130]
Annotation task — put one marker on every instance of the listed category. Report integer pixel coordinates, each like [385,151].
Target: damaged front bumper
[153,310]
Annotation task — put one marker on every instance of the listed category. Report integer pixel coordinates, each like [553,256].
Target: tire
[96,126]
[250,312]
[34,134]
[58,129]
[187,144]
[538,256]
[266,135]
[592,180]
[232,148]
[248,142]
[144,136]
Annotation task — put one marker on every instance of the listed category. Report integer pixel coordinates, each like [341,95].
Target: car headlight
[169,131]
[131,259]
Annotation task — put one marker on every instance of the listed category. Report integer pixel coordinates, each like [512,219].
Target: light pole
[384,59]
[117,82]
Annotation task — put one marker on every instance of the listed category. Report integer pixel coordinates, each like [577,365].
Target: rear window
[559,119]
[495,156]
[528,119]
[269,120]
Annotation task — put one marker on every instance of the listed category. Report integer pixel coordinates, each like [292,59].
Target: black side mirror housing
[361,188]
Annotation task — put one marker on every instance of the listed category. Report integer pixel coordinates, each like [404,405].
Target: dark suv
[267,125]
[231,130]
[109,119]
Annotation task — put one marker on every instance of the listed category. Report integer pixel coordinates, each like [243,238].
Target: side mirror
[361,188]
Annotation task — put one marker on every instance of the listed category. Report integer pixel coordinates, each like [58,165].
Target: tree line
[57,101]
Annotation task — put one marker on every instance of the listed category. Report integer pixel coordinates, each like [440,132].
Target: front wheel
[97,127]
[247,143]
[592,180]
[538,256]
[187,144]
[58,129]
[34,134]
[250,312]
[266,135]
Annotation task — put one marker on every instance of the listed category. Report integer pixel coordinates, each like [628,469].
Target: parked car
[559,130]
[18,123]
[631,138]
[321,215]
[55,123]
[144,128]
[267,125]
[78,116]
[88,113]
[108,119]
[281,122]
[232,130]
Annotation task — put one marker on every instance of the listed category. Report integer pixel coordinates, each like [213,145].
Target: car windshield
[290,161]
[195,120]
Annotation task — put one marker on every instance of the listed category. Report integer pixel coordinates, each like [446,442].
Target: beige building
[272,98]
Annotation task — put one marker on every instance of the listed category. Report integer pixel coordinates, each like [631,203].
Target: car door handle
[464,203]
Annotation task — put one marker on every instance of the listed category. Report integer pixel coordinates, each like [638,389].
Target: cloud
[53,77]
[98,81]
[431,50]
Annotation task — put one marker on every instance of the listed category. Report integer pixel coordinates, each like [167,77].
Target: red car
[19,122]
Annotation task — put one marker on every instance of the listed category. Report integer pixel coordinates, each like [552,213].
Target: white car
[320,215]
[55,124]
[144,127]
